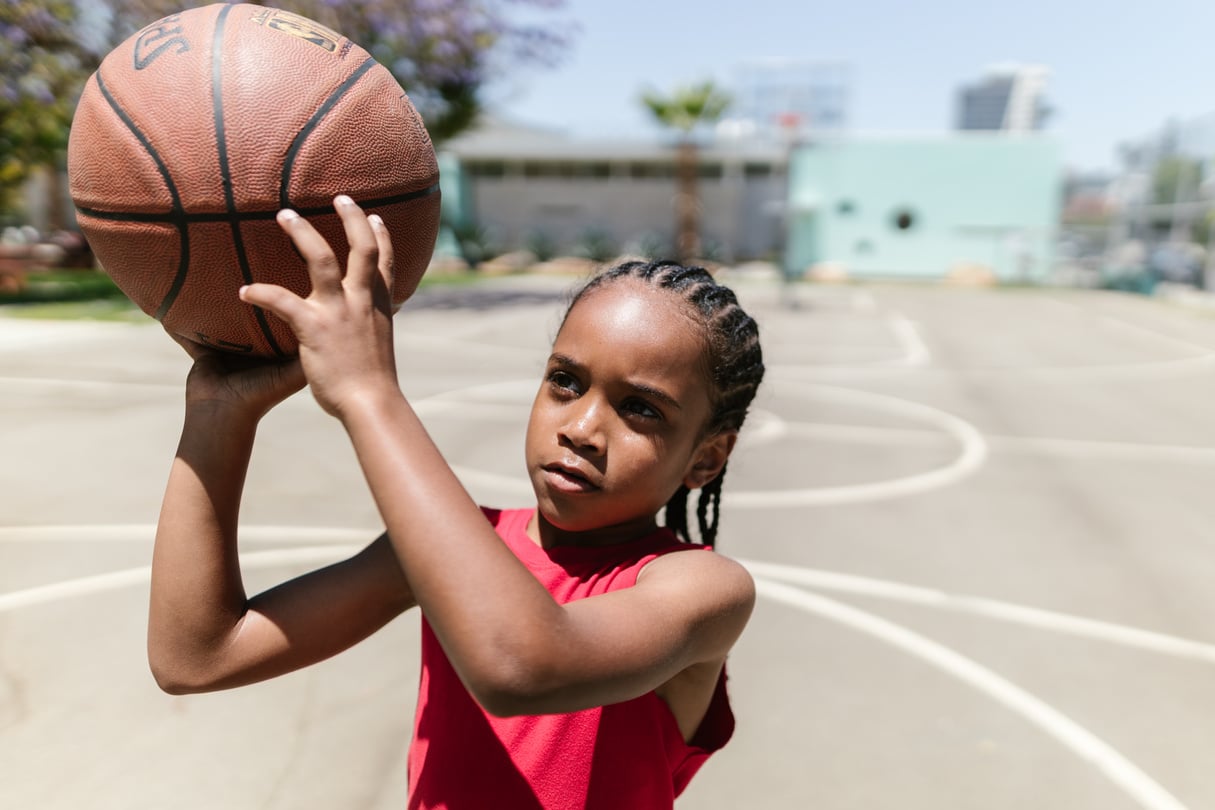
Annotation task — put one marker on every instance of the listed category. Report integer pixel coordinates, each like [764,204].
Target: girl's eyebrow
[565,361]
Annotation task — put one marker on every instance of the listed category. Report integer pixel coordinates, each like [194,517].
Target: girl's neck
[546,535]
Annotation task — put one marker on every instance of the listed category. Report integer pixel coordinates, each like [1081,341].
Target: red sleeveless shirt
[627,755]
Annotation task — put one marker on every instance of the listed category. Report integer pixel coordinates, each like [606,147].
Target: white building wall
[738,213]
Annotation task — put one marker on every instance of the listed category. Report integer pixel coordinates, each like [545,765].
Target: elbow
[511,688]
[508,703]
[175,688]
[175,677]
[172,683]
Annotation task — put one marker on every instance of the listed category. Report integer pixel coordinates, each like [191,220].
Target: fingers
[387,259]
[361,264]
[278,300]
[369,265]
[323,268]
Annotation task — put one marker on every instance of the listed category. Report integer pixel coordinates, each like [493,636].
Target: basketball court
[979,521]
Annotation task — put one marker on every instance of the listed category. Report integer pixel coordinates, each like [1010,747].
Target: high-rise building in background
[789,99]
[1010,98]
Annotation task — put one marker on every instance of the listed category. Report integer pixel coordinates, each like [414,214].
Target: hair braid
[733,360]
[710,499]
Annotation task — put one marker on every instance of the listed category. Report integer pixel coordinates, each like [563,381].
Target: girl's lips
[565,479]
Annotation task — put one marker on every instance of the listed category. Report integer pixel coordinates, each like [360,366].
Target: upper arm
[686,608]
[299,622]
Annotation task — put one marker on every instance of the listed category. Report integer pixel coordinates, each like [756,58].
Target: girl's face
[618,423]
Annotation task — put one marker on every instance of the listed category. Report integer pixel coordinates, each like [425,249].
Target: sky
[1118,71]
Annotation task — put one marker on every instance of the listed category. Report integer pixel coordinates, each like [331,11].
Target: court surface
[979,520]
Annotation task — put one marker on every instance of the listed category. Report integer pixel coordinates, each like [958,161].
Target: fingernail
[342,199]
[286,215]
[374,219]
[241,291]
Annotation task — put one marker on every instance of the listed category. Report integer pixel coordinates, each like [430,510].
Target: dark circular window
[904,219]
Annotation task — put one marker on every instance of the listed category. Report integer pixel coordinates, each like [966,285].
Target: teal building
[924,208]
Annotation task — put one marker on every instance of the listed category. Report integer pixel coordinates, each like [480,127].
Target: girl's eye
[564,381]
[638,407]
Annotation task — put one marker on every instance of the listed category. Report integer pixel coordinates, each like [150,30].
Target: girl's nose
[583,427]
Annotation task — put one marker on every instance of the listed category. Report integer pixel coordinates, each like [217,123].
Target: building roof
[495,139]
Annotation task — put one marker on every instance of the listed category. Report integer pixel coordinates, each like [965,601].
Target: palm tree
[685,109]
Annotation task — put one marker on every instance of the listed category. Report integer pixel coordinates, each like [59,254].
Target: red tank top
[625,755]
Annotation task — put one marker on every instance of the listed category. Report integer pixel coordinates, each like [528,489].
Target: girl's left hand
[344,326]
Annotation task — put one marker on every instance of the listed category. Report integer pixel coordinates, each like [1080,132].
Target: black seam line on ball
[180,218]
[225,171]
[297,142]
[183,233]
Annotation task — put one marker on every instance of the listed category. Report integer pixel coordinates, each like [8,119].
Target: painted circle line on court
[1125,775]
[1132,781]
[972,454]
[326,544]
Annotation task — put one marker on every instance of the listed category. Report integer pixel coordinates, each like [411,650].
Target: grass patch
[70,295]
[93,295]
[44,286]
[100,309]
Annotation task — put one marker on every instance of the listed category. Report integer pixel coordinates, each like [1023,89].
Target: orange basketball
[194,132]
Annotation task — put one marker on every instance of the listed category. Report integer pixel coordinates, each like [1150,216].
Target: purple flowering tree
[41,66]
[442,52]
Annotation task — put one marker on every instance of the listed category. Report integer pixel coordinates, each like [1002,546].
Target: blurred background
[1057,143]
[975,489]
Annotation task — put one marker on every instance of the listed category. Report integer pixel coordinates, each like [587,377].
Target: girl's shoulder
[706,577]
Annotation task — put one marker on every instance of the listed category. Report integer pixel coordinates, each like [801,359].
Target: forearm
[482,603]
[197,597]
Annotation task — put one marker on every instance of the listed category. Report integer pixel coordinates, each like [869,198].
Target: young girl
[572,656]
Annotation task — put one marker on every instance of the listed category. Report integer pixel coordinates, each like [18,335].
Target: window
[487,168]
[904,219]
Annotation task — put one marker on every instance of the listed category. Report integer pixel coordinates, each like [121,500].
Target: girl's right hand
[249,385]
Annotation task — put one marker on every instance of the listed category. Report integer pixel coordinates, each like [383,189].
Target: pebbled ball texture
[194,132]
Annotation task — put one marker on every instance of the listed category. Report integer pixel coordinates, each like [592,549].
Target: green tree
[1175,179]
[42,64]
[684,111]
[442,51]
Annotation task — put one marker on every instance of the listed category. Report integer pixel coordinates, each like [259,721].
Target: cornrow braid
[733,359]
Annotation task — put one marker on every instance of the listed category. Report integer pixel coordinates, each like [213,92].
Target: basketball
[194,132]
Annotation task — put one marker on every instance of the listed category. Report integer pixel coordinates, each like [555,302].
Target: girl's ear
[709,459]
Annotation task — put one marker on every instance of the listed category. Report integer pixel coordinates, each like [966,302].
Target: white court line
[915,351]
[1130,327]
[1095,449]
[146,533]
[351,538]
[987,608]
[1132,781]
[114,580]
[972,456]
[412,340]
[1113,372]
[24,333]
[862,301]
[105,385]
[1118,769]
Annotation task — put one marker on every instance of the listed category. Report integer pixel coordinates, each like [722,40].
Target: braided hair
[732,356]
